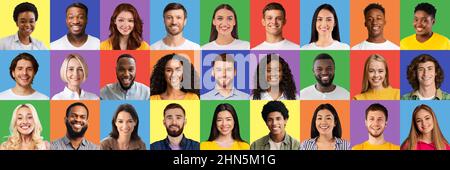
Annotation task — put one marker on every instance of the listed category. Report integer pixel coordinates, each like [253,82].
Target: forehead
[375,113]
[125,14]
[375,11]
[174,111]
[123,115]
[324,112]
[273,13]
[421,14]
[221,63]
[376,64]
[24,63]
[26,14]
[426,64]
[274,114]
[323,63]
[174,12]
[78,110]
[224,12]
[76,10]
[224,113]
[24,110]
[173,63]
[74,61]
[325,13]
[126,61]
[422,113]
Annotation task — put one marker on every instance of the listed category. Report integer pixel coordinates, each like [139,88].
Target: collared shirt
[440,95]
[310,144]
[185,144]
[214,94]
[114,91]
[12,42]
[68,94]
[64,144]
[110,143]
[288,143]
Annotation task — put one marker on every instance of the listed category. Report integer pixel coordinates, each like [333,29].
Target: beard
[375,135]
[126,88]
[175,33]
[325,84]
[72,134]
[176,133]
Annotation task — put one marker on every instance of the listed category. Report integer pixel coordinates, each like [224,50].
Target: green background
[243,17]
[441,25]
[342,67]
[7,108]
[207,109]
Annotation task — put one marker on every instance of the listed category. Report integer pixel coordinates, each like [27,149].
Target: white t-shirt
[274,145]
[68,94]
[92,43]
[311,93]
[235,45]
[282,45]
[366,45]
[9,95]
[187,45]
[336,45]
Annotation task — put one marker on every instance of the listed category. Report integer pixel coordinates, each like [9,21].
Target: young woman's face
[424,121]
[173,73]
[325,22]
[325,122]
[25,121]
[274,73]
[125,23]
[225,123]
[125,123]
[423,22]
[224,21]
[426,74]
[26,22]
[75,73]
[377,74]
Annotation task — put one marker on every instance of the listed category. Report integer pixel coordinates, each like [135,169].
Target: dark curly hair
[427,7]
[25,7]
[412,71]
[135,39]
[158,84]
[287,85]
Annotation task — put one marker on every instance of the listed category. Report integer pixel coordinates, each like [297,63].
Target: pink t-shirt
[428,146]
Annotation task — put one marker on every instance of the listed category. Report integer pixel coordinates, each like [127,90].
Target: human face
[376,73]
[225,123]
[276,123]
[426,74]
[26,22]
[424,121]
[224,20]
[174,21]
[174,121]
[75,73]
[24,73]
[76,21]
[325,122]
[423,23]
[174,73]
[77,119]
[374,22]
[273,21]
[224,73]
[125,23]
[274,73]
[25,121]
[125,123]
[126,72]
[375,123]
[325,22]
[324,72]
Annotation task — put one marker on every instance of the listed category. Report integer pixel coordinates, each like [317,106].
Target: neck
[75,142]
[325,138]
[123,42]
[376,39]
[426,138]
[224,39]
[278,137]
[427,91]
[225,138]
[424,37]
[270,38]
[174,40]
[324,40]
[377,87]
[175,141]
[26,138]
[23,91]
[76,89]
[77,40]
[274,92]
[24,39]
[376,140]
[324,89]
[123,141]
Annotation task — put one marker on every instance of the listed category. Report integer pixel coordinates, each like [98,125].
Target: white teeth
[325,78]
[78,126]
[419,29]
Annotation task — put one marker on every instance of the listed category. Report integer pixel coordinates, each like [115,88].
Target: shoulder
[408,39]
[93,39]
[359,46]
[243,145]
[106,45]
[39,44]
[6,94]
[91,96]
[308,46]
[39,95]
[155,97]
[341,45]
[58,96]
[144,46]
[341,89]
[440,37]
[209,45]
[57,44]
[358,146]
[359,96]
[156,45]
[191,96]
[344,143]
[191,45]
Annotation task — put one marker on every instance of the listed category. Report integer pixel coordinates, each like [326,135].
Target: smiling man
[126,88]
[76,38]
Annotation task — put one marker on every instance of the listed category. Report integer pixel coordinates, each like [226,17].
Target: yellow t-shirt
[107,45]
[388,93]
[188,96]
[367,146]
[212,145]
[436,42]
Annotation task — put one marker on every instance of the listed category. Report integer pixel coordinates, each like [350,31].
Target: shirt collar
[438,94]
[182,142]
[68,92]
[125,91]
[16,38]
[286,139]
[66,141]
[216,92]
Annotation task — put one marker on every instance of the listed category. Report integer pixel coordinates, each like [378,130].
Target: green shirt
[289,143]
[440,95]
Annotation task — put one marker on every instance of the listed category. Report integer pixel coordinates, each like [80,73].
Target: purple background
[107,8]
[358,130]
[292,57]
[93,61]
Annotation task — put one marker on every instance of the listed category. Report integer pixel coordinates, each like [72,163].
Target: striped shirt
[310,144]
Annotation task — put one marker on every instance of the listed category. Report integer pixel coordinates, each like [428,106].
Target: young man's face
[126,72]
[76,20]
[24,73]
[423,22]
[273,21]
[276,123]
[174,21]
[224,72]
[375,123]
[426,74]
[76,122]
[324,72]
[174,121]
[374,22]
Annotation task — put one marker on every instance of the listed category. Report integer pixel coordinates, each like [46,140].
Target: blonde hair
[365,83]
[65,64]
[14,140]
[437,138]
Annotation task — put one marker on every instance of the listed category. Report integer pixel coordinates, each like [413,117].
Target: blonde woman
[375,84]
[25,129]
[74,71]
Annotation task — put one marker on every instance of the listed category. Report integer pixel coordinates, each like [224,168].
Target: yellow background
[42,29]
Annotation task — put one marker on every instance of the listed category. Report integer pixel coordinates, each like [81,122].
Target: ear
[263,22]
[185,22]
[434,21]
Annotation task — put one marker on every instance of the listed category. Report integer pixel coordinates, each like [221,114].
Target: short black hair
[23,56]
[427,7]
[274,6]
[24,7]
[374,6]
[77,104]
[275,106]
[78,5]
[323,56]
[175,6]
[377,107]
[125,56]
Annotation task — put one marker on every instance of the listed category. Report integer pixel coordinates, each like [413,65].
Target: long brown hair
[234,32]
[135,39]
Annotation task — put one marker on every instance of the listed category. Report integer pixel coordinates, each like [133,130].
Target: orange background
[357,60]
[307,108]
[392,16]
[108,65]
[58,112]
[194,58]
[291,30]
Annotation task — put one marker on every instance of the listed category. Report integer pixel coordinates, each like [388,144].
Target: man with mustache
[126,88]
[76,121]
[175,18]
[174,121]
[324,89]
[76,38]
[223,71]
[376,122]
